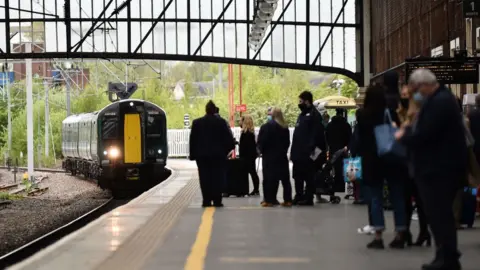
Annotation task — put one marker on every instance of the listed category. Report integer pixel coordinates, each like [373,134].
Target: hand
[399,134]
[345,149]
[394,125]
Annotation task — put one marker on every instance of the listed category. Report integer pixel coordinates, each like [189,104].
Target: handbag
[387,146]
[352,169]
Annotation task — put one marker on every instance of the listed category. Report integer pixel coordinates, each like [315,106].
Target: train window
[154,124]
[109,127]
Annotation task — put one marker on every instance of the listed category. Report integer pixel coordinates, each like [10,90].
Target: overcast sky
[233,44]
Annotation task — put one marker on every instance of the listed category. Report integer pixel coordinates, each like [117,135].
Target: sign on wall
[471,8]
[448,72]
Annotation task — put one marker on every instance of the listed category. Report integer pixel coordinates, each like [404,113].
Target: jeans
[397,198]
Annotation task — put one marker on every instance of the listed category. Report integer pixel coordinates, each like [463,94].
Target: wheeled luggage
[237,178]
[469,205]
[325,179]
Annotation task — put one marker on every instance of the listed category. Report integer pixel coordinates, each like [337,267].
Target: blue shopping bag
[352,169]
[387,146]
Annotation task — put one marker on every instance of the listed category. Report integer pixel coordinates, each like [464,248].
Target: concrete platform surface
[167,229]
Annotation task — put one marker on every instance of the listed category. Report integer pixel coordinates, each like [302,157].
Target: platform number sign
[471,8]
[186,120]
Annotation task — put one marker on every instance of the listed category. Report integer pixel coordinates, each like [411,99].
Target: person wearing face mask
[308,140]
[436,141]
[407,111]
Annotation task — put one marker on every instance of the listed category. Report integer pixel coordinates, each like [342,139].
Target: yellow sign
[335,102]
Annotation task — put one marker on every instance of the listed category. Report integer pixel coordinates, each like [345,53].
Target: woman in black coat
[273,142]
[376,170]
[248,151]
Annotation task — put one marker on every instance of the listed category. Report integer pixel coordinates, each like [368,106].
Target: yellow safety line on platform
[198,253]
[264,260]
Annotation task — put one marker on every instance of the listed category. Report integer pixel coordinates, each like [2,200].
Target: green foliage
[9,197]
[261,88]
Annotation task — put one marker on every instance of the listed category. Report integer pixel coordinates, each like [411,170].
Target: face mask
[404,102]
[302,106]
[269,117]
[418,97]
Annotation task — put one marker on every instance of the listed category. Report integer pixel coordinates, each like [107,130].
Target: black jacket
[273,143]
[366,146]
[338,133]
[248,145]
[437,141]
[210,138]
[474,118]
[309,133]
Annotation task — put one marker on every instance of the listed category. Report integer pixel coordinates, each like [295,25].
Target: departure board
[448,72]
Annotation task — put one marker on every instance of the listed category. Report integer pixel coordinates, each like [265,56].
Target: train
[123,146]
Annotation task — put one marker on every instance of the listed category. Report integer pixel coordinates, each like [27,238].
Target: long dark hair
[375,101]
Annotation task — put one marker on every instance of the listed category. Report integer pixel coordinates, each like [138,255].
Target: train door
[132,138]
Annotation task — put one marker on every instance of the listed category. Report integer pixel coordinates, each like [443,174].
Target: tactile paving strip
[138,248]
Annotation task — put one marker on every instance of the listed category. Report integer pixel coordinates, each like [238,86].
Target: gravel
[66,199]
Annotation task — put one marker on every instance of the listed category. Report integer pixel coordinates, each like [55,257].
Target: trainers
[366,230]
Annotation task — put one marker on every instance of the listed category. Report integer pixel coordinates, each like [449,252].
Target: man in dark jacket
[474,118]
[439,157]
[210,142]
[308,136]
[338,136]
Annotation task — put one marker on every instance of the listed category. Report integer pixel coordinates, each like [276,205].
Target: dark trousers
[437,193]
[304,176]
[251,167]
[411,191]
[270,188]
[212,177]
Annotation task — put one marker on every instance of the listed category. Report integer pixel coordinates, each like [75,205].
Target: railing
[178,140]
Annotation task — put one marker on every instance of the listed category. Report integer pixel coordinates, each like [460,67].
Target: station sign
[471,8]
[241,108]
[186,120]
[448,72]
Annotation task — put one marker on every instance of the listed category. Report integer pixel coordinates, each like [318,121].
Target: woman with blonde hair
[273,142]
[248,151]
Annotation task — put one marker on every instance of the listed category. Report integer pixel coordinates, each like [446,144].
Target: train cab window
[154,124]
[109,127]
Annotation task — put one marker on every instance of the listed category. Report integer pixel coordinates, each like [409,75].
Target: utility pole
[9,117]
[29,86]
[47,120]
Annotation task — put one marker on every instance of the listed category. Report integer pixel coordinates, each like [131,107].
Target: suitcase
[237,178]
[469,207]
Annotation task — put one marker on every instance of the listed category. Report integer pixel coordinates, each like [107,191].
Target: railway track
[36,169]
[36,245]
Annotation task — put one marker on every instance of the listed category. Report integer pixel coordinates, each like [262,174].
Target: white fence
[178,140]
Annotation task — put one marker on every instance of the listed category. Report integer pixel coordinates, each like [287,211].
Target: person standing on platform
[273,143]
[249,152]
[210,142]
[225,183]
[439,154]
[308,141]
[338,135]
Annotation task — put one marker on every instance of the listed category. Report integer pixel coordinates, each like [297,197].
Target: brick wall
[404,29]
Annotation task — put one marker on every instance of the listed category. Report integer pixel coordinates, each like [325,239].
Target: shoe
[265,204]
[398,242]
[287,204]
[376,244]
[254,193]
[439,265]
[206,204]
[306,203]
[218,204]
[366,230]
[225,195]
[422,238]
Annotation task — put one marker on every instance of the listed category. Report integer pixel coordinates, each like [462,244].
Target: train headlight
[112,153]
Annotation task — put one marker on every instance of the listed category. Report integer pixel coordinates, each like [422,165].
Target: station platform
[166,228]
